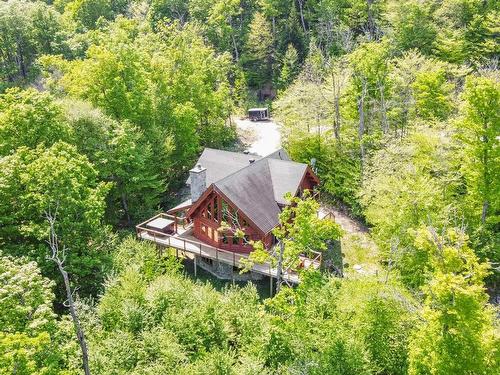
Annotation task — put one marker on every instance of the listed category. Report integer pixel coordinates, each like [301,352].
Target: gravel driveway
[261,137]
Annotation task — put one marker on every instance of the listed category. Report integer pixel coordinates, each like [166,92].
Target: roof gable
[286,177]
[257,189]
[251,191]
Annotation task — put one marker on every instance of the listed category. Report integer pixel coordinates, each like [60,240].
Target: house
[244,190]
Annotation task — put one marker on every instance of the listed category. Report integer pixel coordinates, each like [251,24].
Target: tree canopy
[106,104]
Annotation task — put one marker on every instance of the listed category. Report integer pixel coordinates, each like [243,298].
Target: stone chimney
[198,177]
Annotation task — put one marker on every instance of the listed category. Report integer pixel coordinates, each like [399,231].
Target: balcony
[169,231]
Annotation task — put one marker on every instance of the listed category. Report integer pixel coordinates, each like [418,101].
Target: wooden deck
[184,241]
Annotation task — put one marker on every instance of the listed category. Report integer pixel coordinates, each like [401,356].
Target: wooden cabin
[243,190]
[258,114]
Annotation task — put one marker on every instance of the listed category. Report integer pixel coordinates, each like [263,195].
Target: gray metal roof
[279,154]
[220,163]
[257,188]
[286,177]
[181,206]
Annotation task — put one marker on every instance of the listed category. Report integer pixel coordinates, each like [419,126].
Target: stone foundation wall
[225,271]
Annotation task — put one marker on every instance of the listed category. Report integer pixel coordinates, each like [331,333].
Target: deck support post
[232,273]
[194,266]
[270,282]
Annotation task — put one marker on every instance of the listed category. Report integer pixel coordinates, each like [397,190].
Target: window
[224,239]
[203,228]
[244,223]
[236,240]
[246,239]
[225,211]
[209,211]
[216,209]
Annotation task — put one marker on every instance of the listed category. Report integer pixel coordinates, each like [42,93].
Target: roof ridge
[230,152]
[271,177]
[285,161]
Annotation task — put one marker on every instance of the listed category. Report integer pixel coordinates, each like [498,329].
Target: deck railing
[211,252]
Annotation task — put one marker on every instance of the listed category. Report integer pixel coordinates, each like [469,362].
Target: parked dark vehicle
[258,114]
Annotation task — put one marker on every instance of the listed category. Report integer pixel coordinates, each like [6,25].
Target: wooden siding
[207,219]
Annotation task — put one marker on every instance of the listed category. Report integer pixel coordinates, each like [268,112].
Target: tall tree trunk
[385,123]
[361,128]
[59,261]
[279,267]
[76,321]
[485,211]
[125,208]
[370,20]
[236,53]
[336,107]
[301,10]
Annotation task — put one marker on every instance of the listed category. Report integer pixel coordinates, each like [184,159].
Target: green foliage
[153,319]
[170,9]
[348,327]
[457,332]
[142,319]
[26,297]
[170,85]
[301,231]
[301,228]
[87,13]
[30,118]
[414,27]
[372,90]
[146,257]
[63,182]
[128,165]
[478,130]
[121,154]
[30,340]
[27,30]
[409,183]
[467,33]
[370,65]
[432,95]
[289,68]
[258,58]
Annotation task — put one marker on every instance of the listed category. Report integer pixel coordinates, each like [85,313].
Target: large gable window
[216,209]
[225,211]
[209,211]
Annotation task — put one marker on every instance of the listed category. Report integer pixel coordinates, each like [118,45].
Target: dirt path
[258,137]
[361,253]
[348,224]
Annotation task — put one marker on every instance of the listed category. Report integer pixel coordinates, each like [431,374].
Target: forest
[106,104]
